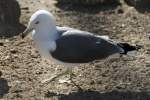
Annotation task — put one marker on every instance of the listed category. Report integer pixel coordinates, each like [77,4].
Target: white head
[39,19]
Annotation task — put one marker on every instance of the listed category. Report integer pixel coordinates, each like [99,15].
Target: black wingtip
[127,47]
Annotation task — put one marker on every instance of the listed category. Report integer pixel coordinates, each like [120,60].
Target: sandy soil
[118,78]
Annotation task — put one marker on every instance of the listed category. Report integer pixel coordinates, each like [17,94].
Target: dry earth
[118,78]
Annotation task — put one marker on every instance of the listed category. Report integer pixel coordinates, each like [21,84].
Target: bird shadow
[9,18]
[141,6]
[87,8]
[95,95]
[4,88]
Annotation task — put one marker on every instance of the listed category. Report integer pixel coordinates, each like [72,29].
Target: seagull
[69,46]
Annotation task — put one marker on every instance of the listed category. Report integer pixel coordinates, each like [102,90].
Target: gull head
[40,18]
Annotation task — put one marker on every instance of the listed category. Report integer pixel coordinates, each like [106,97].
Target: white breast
[44,46]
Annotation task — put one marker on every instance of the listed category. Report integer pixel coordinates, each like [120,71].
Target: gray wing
[68,30]
[64,28]
[74,47]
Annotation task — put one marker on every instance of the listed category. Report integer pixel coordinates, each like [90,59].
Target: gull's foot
[61,81]
[49,79]
[67,80]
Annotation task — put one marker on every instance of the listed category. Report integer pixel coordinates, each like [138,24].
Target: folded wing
[78,47]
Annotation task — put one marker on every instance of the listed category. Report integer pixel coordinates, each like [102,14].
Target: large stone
[86,2]
[140,3]
[9,18]
[9,12]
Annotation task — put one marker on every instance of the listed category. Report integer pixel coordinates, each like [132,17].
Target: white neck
[44,38]
[45,33]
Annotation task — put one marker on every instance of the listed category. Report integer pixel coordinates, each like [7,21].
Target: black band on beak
[25,33]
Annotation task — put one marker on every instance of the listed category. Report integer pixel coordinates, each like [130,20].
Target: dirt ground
[119,78]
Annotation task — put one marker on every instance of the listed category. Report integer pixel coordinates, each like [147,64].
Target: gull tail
[127,47]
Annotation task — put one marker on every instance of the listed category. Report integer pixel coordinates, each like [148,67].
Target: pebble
[0,73]
[25,8]
[1,44]
[13,51]
[120,11]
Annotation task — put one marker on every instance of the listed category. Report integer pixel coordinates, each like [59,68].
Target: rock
[137,3]
[9,18]
[120,11]
[0,73]
[86,2]
[1,44]
[13,51]
[9,12]
[25,8]
[4,88]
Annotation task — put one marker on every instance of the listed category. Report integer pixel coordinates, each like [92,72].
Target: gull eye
[37,22]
